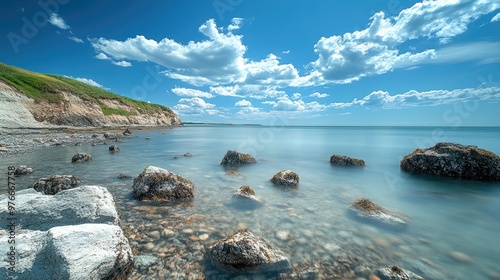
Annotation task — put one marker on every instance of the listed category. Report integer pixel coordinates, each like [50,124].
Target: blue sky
[392,62]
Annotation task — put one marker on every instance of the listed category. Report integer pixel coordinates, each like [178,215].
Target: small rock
[149,246]
[147,138]
[286,179]
[203,237]
[81,157]
[188,155]
[365,209]
[283,235]
[397,273]
[244,197]
[114,148]
[236,158]
[341,160]
[187,231]
[124,176]
[127,133]
[23,170]
[55,184]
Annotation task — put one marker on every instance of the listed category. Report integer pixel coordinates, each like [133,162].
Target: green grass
[41,87]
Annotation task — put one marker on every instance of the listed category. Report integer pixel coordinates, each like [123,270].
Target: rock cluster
[286,179]
[453,160]
[237,158]
[341,160]
[245,252]
[55,184]
[159,184]
[71,235]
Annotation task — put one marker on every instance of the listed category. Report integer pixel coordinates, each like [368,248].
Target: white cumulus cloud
[495,18]
[319,95]
[58,21]
[87,81]
[189,92]
[243,103]
[195,107]
[76,39]
[122,63]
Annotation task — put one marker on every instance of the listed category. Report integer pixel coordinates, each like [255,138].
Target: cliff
[29,99]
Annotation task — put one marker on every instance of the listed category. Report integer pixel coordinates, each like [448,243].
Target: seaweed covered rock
[397,273]
[453,160]
[245,197]
[367,210]
[286,179]
[244,252]
[159,184]
[23,170]
[56,184]
[81,157]
[237,158]
[346,161]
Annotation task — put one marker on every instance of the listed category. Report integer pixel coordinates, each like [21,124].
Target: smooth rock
[245,252]
[159,184]
[453,160]
[341,160]
[82,205]
[286,179]
[55,184]
[237,158]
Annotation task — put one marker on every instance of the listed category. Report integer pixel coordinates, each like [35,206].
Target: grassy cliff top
[42,87]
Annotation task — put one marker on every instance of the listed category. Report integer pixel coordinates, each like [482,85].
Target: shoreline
[16,141]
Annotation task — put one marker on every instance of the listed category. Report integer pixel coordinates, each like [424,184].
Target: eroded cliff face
[17,110]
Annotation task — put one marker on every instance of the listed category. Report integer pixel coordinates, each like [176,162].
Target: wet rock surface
[159,184]
[245,252]
[114,148]
[453,160]
[56,183]
[341,160]
[367,210]
[244,197]
[237,158]
[81,157]
[286,179]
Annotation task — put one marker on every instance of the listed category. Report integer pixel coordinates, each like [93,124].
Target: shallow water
[312,226]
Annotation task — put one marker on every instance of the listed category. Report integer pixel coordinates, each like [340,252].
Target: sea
[453,229]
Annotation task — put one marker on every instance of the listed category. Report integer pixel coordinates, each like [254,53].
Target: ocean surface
[454,231]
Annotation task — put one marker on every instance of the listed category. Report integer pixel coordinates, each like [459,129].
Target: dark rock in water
[236,158]
[127,133]
[397,273]
[286,179]
[188,155]
[114,148]
[81,157]
[346,161]
[147,138]
[244,197]
[124,176]
[244,252]
[366,209]
[23,170]
[453,160]
[56,184]
[159,184]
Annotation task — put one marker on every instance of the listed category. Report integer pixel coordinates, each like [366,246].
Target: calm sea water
[448,215]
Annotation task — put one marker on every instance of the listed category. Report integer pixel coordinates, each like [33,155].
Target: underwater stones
[81,157]
[341,160]
[56,184]
[367,210]
[286,179]
[245,196]
[236,158]
[114,148]
[23,170]
[243,252]
[396,273]
[159,184]
[453,160]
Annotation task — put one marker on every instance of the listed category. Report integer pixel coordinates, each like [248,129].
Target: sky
[367,62]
